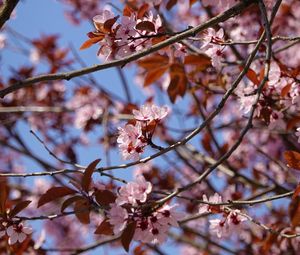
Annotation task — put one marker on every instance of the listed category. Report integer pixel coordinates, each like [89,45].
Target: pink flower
[150,112]
[102,17]
[169,216]
[204,208]
[235,217]
[17,233]
[218,227]
[216,54]
[134,192]
[277,121]
[227,225]
[126,29]
[118,218]
[130,141]
[274,74]
[212,36]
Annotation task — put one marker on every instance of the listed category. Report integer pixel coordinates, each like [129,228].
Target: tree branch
[6,10]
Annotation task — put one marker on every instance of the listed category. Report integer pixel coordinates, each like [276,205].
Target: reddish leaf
[145,26]
[54,193]
[127,11]
[178,83]
[70,201]
[199,60]
[109,23]
[88,43]
[285,90]
[82,211]
[153,75]
[3,196]
[87,176]
[154,62]
[296,192]
[251,75]
[294,211]
[293,159]
[75,184]
[127,235]
[19,207]
[105,228]
[142,11]
[170,4]
[105,197]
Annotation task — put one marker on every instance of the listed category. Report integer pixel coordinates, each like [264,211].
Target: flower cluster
[231,218]
[133,33]
[279,101]
[130,206]
[133,138]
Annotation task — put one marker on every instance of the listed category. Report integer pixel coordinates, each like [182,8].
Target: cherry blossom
[17,233]
[151,112]
[130,141]
[134,192]
[117,217]
[216,198]
[229,223]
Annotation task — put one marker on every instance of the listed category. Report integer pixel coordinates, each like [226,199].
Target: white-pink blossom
[17,233]
[211,35]
[118,218]
[130,141]
[204,208]
[216,54]
[134,192]
[151,112]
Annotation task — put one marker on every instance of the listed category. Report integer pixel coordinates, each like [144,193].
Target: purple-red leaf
[19,207]
[105,197]
[145,26]
[105,228]
[87,176]
[293,159]
[82,211]
[3,196]
[55,193]
[127,235]
[70,201]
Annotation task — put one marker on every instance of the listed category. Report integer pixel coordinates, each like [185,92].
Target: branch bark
[6,10]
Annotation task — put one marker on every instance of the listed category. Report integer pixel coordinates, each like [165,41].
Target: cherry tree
[199,149]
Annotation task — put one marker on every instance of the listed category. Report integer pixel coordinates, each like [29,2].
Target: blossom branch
[235,10]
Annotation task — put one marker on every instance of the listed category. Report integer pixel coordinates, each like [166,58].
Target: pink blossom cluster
[231,218]
[280,98]
[230,223]
[16,232]
[152,225]
[132,34]
[133,138]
